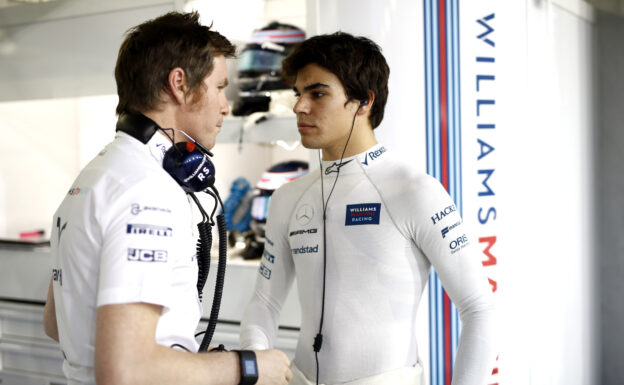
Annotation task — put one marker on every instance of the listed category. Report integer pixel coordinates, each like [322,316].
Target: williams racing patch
[363,214]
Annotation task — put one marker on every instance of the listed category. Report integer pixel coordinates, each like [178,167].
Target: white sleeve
[275,277]
[442,237]
[134,265]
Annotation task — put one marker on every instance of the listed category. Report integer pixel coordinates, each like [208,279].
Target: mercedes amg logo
[305,214]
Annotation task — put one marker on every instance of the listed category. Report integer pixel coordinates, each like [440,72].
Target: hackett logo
[441,214]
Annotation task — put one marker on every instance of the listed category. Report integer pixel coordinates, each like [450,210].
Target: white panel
[66,57]
[543,163]
[39,160]
[397,27]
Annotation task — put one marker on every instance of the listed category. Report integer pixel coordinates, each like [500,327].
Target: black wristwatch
[249,367]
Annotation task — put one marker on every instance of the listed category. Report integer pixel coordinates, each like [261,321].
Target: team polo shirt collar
[157,146]
[365,159]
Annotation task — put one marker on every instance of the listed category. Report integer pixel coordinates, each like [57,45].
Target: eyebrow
[312,86]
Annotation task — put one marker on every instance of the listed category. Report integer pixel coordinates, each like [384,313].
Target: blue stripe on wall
[434,152]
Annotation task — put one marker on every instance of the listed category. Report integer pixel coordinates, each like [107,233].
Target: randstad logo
[373,155]
[305,250]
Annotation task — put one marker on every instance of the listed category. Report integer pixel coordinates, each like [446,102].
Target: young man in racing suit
[360,235]
[123,301]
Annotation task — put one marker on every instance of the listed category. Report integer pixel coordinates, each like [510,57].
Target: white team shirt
[123,234]
[386,225]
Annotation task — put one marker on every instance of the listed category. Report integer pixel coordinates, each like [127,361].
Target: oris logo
[458,244]
[441,214]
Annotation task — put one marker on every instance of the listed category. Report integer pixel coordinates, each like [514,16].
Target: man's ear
[177,85]
[365,108]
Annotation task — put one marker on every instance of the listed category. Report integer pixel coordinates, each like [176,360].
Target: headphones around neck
[187,162]
[189,165]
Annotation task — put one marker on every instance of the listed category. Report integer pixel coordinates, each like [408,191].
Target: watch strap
[249,367]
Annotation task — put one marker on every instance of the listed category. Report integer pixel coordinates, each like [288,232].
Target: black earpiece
[363,102]
[189,166]
[186,162]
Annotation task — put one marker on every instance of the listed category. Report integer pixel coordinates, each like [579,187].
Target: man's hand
[273,367]
[49,315]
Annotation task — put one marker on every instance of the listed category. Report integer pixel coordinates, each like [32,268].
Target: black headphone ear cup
[192,170]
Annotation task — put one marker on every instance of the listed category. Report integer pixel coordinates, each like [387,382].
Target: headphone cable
[318,340]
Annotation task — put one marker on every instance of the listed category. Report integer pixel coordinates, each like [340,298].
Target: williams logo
[142,255]
[305,249]
[159,231]
[305,214]
[298,232]
[363,214]
[458,244]
[373,155]
[449,228]
[441,214]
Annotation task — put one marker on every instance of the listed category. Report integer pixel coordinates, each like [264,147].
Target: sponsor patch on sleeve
[265,271]
[144,255]
[363,214]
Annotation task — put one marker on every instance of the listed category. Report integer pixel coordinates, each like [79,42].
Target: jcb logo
[142,255]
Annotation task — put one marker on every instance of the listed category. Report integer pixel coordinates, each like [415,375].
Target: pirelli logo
[143,229]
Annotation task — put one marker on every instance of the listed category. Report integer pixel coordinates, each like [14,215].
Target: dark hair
[356,61]
[152,49]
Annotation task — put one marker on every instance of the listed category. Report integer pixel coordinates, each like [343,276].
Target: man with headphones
[123,299]
[360,234]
